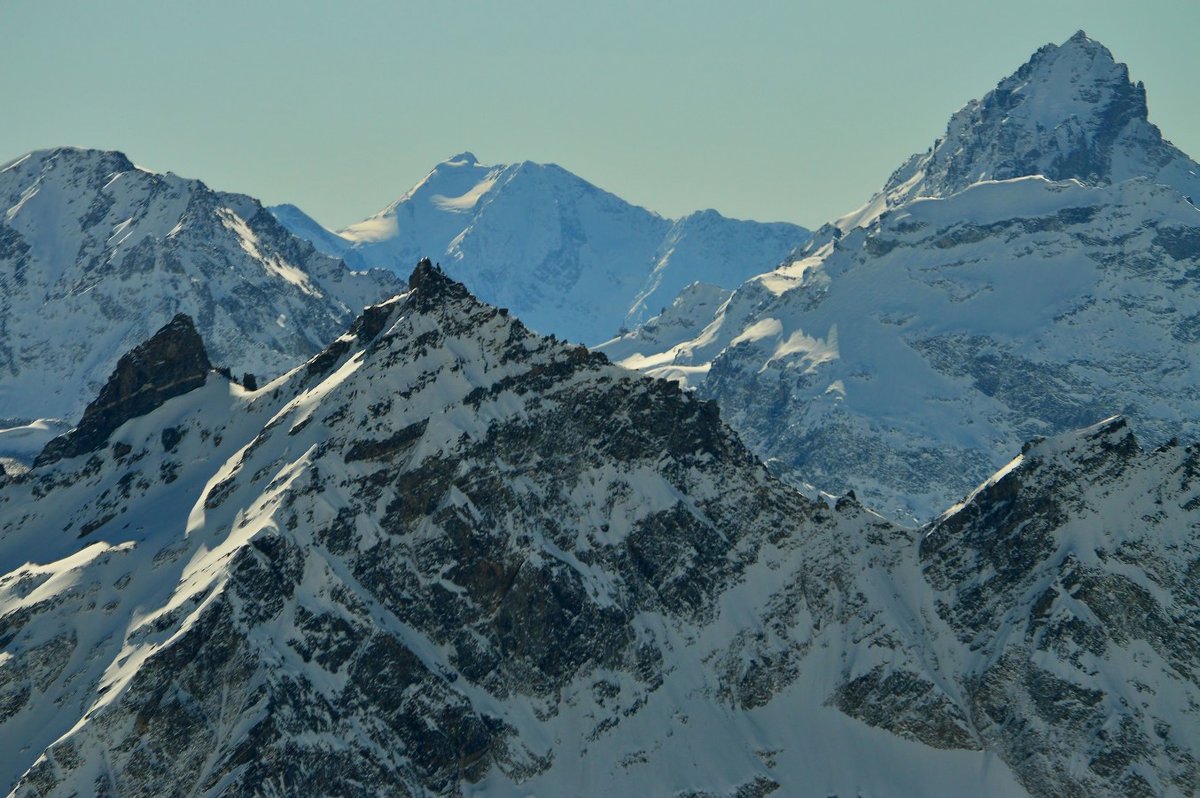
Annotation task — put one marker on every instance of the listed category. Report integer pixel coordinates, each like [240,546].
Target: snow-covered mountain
[95,254]
[448,556]
[1070,113]
[565,256]
[1069,580]
[1035,271]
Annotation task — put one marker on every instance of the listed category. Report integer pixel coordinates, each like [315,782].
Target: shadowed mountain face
[1073,578]
[450,555]
[1032,273]
[96,254]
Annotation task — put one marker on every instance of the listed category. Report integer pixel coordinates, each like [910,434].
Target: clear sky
[773,110]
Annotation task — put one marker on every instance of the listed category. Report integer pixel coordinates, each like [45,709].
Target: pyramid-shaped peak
[1068,113]
[1079,59]
[1059,115]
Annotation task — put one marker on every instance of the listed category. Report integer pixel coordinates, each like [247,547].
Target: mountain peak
[1080,40]
[1069,113]
[428,278]
[565,255]
[431,286]
[1081,43]
[99,253]
[73,157]
[170,363]
[1088,445]
[1059,115]
[1080,60]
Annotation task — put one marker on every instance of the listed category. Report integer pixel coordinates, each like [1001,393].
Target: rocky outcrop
[1071,579]
[171,363]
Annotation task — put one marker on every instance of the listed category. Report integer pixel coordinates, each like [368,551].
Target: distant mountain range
[1035,271]
[95,253]
[560,253]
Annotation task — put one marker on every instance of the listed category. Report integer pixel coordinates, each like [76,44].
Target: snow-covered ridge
[95,254]
[1030,274]
[373,573]
[567,257]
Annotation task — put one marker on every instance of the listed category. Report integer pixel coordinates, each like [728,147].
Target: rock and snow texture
[1070,113]
[173,362]
[1072,581]
[563,255]
[96,254]
[684,322]
[1037,270]
[450,557]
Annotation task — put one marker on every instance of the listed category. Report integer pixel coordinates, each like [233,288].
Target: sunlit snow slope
[567,257]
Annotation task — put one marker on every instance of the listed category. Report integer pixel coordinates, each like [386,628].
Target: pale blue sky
[771,110]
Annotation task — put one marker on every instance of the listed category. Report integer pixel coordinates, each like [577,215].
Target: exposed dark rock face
[518,504]
[1071,580]
[171,363]
[454,553]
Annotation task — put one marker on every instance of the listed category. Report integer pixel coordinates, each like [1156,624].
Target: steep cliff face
[171,363]
[96,254]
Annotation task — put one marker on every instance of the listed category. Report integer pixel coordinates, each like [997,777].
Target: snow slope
[448,556]
[565,256]
[1032,273]
[95,254]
